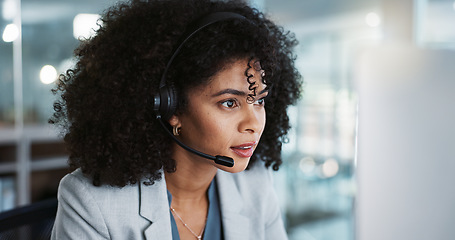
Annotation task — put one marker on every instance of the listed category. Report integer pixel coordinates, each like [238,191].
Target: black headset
[165,101]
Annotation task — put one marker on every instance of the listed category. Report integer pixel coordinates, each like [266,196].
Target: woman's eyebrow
[235,92]
[230,91]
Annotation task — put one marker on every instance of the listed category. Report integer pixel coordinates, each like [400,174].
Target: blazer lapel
[235,225]
[154,207]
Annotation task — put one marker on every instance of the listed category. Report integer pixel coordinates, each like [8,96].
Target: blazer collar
[154,207]
[235,224]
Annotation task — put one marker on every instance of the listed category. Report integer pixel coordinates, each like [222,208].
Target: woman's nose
[253,119]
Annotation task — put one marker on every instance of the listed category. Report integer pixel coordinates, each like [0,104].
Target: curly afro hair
[106,100]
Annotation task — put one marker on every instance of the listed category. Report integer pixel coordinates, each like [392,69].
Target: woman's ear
[174,121]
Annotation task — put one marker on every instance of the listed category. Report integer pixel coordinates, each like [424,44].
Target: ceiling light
[48,74]
[10,33]
[330,168]
[85,25]
[372,19]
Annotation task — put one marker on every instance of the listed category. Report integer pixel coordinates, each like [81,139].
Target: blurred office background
[317,183]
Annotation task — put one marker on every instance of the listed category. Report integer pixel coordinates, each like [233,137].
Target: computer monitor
[405,163]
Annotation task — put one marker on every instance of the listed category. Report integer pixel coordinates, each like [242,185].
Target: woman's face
[219,121]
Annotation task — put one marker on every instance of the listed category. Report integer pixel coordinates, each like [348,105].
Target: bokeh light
[48,74]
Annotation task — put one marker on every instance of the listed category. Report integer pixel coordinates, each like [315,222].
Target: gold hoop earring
[176,130]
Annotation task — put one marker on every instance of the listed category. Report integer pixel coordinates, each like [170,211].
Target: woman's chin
[239,166]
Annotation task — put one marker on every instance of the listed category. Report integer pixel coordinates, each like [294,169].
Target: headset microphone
[222,160]
[165,101]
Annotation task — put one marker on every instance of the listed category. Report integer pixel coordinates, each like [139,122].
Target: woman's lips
[245,150]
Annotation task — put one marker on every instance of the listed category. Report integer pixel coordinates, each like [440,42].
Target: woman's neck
[189,183]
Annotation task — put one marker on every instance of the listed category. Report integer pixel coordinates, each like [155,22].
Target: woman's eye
[260,101]
[229,103]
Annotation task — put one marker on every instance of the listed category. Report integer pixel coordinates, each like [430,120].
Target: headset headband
[197,26]
[165,101]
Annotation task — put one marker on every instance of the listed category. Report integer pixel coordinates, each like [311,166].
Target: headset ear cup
[172,102]
[166,102]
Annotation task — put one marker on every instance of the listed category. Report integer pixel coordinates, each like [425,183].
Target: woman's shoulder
[111,211]
[77,179]
[78,185]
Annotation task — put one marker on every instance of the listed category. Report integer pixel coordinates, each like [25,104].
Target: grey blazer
[249,209]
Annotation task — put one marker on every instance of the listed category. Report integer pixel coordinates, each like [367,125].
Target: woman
[219,76]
